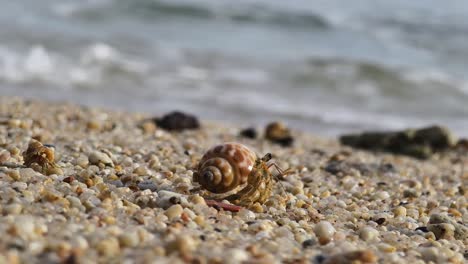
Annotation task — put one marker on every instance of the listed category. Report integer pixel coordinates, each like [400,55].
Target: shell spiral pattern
[224,167]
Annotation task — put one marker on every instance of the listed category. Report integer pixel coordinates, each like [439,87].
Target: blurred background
[328,67]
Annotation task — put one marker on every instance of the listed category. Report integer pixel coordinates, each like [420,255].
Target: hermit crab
[236,171]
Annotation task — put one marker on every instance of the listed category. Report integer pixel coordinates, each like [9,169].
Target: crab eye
[267,157]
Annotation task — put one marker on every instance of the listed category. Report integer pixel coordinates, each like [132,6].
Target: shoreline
[114,199]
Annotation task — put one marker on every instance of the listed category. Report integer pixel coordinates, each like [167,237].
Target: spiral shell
[225,167]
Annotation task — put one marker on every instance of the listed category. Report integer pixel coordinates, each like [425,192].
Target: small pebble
[97,157]
[12,209]
[324,231]
[183,244]
[399,211]
[358,256]
[257,208]
[246,215]
[82,161]
[430,254]
[368,233]
[69,179]
[381,195]
[14,174]
[309,243]
[442,231]
[174,211]
[129,239]
[236,256]
[384,247]
[108,247]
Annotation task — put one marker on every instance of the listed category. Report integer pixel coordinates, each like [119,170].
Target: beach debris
[278,133]
[225,168]
[249,132]
[41,158]
[419,143]
[177,121]
[225,206]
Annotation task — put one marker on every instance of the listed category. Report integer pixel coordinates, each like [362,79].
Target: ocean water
[329,67]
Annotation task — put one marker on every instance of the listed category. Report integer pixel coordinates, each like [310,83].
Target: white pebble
[82,161]
[324,230]
[236,256]
[97,157]
[246,215]
[382,195]
[24,227]
[429,254]
[368,233]
[20,186]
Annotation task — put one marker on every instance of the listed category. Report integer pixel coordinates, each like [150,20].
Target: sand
[121,191]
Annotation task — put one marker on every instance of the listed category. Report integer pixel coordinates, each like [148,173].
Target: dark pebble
[178,121]
[117,183]
[285,142]
[134,188]
[423,229]
[335,167]
[387,168]
[71,259]
[69,179]
[249,133]
[309,243]
[380,221]
[319,259]
[174,200]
